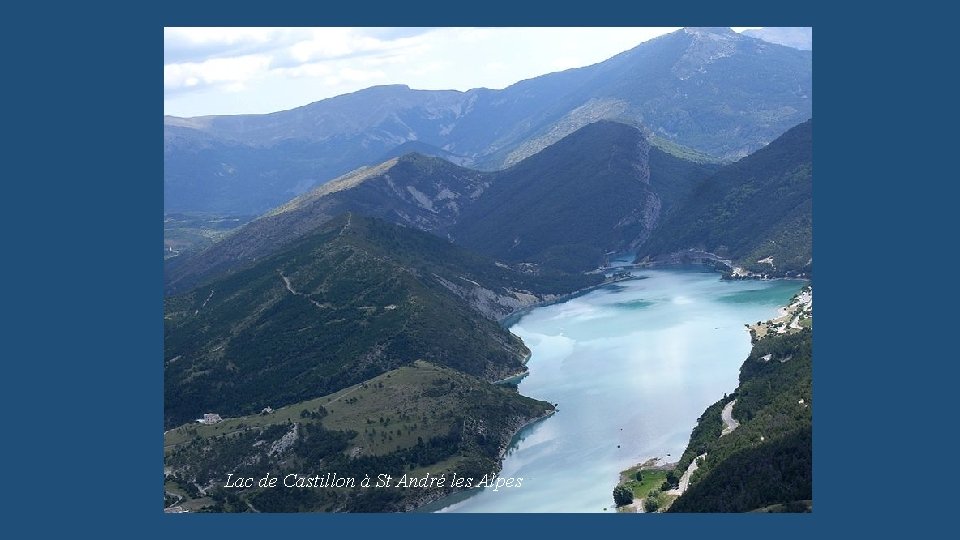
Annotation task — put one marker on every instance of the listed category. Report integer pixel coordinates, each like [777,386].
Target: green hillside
[767,460]
[414,190]
[356,298]
[600,189]
[757,209]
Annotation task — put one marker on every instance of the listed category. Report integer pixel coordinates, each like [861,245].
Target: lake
[631,366]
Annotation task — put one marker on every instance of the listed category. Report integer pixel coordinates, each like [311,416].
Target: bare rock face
[491,304]
[708,46]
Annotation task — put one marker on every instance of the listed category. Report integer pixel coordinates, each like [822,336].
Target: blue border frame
[86,338]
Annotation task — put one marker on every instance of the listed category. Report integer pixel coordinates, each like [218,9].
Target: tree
[622,496]
[672,479]
[639,476]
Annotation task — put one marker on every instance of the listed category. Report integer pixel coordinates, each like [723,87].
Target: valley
[558,278]
[187,233]
[631,367]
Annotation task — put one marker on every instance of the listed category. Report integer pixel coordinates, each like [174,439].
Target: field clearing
[389,412]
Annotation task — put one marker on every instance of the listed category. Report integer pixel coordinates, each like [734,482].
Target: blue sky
[260,70]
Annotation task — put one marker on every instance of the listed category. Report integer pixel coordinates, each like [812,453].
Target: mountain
[353,299]
[796,37]
[422,148]
[249,163]
[415,190]
[711,91]
[757,211]
[600,189]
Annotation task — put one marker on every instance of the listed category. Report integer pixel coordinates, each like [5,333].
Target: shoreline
[520,374]
[436,497]
[516,377]
[507,321]
[514,317]
[654,463]
[520,312]
[719,264]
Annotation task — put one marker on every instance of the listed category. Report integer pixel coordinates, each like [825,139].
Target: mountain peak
[712,30]
[796,37]
[416,157]
[385,88]
[425,163]
[706,46]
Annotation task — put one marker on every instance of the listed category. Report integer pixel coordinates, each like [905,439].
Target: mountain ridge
[590,193]
[583,179]
[396,190]
[796,37]
[745,91]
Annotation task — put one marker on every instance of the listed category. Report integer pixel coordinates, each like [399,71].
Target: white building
[210,418]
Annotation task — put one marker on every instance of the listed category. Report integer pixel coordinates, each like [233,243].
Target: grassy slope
[651,479]
[435,420]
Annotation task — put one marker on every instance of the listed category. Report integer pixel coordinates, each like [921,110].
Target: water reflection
[632,366]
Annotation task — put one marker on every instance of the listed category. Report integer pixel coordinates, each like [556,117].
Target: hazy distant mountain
[710,90]
[422,148]
[796,37]
[600,189]
[757,211]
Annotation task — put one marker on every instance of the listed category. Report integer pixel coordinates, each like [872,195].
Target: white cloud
[474,35]
[185,45]
[329,43]
[567,62]
[257,70]
[200,36]
[213,71]
[360,75]
[426,68]
[313,69]
[383,60]
[332,43]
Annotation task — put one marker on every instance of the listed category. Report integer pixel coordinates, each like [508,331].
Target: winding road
[286,282]
[685,478]
[729,422]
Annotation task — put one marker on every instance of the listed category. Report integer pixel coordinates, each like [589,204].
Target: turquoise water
[631,366]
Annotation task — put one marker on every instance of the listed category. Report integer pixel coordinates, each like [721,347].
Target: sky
[261,70]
